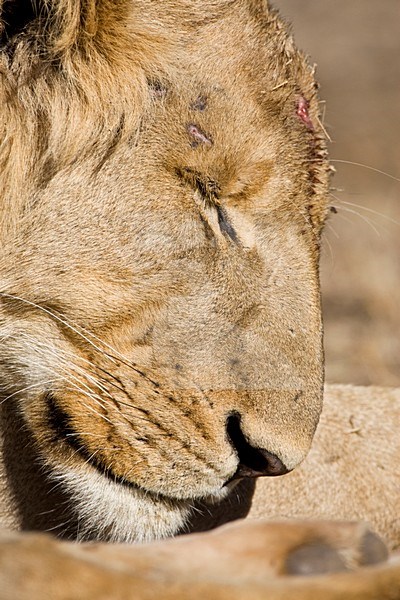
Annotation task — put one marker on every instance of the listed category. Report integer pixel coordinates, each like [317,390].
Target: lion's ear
[63,23]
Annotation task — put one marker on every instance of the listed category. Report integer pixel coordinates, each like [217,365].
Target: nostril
[253,462]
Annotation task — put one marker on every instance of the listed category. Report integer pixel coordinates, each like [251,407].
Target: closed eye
[208,190]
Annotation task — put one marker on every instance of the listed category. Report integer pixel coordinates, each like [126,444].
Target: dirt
[356,46]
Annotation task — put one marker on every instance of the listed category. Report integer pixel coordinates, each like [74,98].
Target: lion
[164,188]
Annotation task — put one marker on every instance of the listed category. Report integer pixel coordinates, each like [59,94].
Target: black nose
[253,462]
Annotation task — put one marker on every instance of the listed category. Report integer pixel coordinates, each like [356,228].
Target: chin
[106,510]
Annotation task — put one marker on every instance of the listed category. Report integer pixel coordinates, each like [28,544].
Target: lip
[245,472]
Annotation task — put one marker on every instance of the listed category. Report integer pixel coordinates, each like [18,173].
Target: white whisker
[27,388]
[330,250]
[119,357]
[71,366]
[370,210]
[357,164]
[333,230]
[363,217]
[60,320]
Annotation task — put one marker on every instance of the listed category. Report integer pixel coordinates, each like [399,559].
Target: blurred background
[356,46]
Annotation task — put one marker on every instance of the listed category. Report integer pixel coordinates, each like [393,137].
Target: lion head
[163,192]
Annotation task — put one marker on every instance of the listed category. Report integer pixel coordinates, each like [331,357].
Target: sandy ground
[356,45]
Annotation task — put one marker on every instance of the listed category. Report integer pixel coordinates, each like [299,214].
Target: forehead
[242,57]
[228,39]
[228,106]
[239,110]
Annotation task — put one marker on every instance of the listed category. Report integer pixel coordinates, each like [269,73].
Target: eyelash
[224,224]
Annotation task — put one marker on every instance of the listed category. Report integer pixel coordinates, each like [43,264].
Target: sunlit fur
[162,202]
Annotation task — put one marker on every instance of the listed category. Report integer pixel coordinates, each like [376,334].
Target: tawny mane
[70,77]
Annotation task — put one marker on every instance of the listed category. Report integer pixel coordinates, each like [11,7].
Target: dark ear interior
[15,16]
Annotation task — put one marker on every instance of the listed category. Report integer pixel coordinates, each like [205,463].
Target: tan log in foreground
[241,561]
